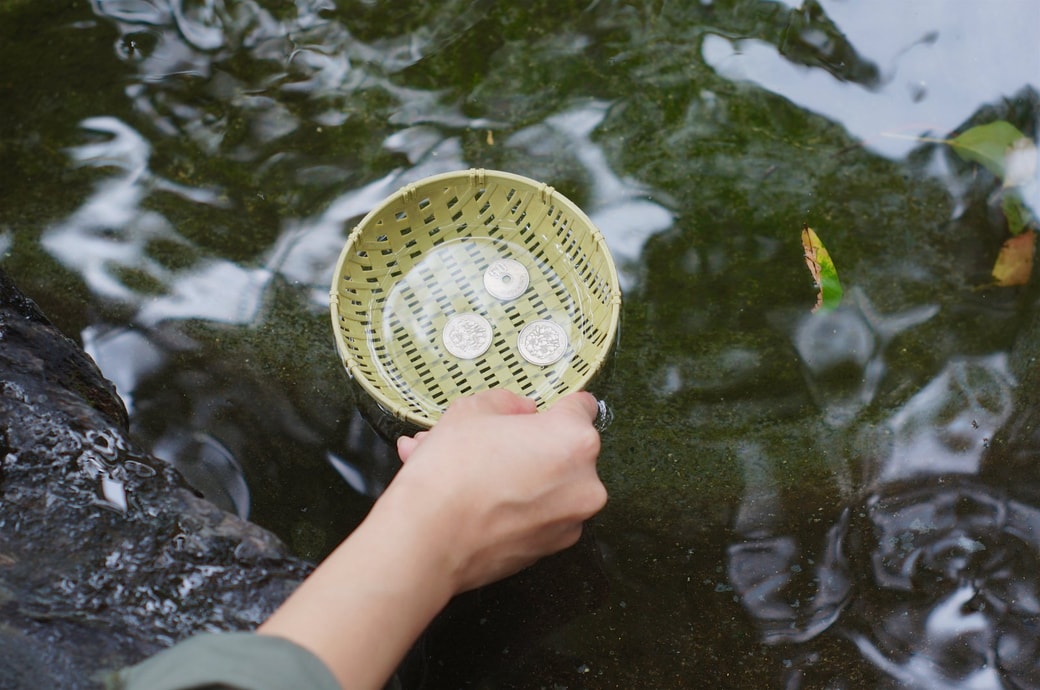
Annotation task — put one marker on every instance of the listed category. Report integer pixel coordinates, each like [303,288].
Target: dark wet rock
[106,555]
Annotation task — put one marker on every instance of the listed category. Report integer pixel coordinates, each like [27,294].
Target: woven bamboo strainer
[471,280]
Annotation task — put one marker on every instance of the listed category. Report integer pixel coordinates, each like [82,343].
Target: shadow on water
[797,500]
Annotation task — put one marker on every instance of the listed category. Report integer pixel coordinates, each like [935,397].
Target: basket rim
[477,176]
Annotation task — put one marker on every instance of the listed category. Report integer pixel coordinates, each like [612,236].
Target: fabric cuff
[238,661]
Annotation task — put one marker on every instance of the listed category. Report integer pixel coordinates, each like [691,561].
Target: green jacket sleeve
[229,661]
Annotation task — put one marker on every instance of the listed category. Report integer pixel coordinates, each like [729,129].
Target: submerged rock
[106,554]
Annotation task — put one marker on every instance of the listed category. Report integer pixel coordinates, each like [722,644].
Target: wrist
[389,575]
[426,529]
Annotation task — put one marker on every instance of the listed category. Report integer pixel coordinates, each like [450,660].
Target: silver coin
[542,342]
[506,279]
[467,335]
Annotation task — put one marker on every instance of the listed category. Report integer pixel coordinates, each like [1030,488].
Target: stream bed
[845,498]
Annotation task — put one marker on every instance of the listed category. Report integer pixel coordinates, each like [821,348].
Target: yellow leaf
[823,271]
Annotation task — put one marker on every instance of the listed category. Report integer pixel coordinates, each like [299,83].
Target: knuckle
[597,497]
[588,441]
[570,535]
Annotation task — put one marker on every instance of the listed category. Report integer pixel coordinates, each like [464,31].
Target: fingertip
[405,446]
[582,402]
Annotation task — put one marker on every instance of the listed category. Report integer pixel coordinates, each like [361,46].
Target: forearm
[492,488]
[366,604]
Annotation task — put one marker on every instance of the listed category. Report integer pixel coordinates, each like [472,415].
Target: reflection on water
[620,208]
[844,352]
[180,190]
[927,67]
[932,576]
[935,585]
[955,600]
[947,425]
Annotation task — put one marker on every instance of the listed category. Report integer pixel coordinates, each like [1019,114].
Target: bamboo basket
[472,280]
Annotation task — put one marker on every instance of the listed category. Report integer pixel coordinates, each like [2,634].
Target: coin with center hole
[506,279]
[542,342]
[467,335]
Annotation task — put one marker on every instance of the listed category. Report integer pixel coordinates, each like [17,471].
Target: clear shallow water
[797,500]
[403,325]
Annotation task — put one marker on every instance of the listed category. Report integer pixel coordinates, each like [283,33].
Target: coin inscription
[506,279]
[542,342]
[467,335]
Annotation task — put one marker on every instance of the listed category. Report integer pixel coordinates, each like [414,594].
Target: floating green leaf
[1010,155]
[823,271]
[988,145]
[1018,215]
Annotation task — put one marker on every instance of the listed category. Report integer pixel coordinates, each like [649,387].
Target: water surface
[797,500]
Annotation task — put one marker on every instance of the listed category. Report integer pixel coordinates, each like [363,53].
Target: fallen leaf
[823,271]
[1014,263]
[1007,153]
[1018,215]
[989,145]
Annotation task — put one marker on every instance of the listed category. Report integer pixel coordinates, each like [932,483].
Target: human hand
[499,484]
[493,487]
